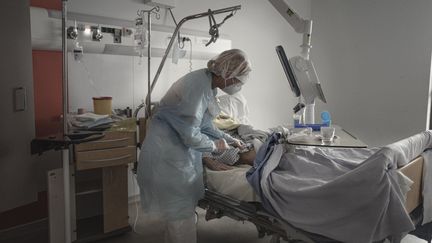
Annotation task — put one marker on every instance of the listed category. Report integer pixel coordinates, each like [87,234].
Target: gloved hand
[221,145]
[238,143]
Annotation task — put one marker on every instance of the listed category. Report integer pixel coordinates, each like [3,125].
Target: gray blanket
[350,195]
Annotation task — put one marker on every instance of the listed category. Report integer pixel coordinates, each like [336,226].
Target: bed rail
[218,205]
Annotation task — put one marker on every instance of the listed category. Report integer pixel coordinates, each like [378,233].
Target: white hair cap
[231,64]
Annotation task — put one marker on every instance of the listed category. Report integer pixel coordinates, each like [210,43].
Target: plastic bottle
[326,118]
[128,112]
[297,119]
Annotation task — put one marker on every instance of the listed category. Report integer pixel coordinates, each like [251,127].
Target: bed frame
[218,205]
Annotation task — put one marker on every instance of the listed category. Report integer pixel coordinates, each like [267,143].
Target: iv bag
[140,36]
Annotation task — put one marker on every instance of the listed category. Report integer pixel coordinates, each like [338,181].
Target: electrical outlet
[20,99]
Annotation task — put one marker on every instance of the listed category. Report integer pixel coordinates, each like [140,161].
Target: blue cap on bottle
[326,118]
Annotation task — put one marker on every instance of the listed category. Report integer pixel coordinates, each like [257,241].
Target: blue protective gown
[170,167]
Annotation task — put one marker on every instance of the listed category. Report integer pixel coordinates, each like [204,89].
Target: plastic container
[297,119]
[102,105]
[315,127]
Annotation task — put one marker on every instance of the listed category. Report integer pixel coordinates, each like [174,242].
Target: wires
[136,204]
[180,43]
[90,77]
[190,56]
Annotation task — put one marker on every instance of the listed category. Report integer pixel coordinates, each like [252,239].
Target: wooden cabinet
[115,148]
[105,157]
[115,198]
[101,179]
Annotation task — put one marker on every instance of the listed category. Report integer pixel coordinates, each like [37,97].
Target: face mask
[232,89]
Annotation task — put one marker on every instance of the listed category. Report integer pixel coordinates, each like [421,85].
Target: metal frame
[218,205]
[185,19]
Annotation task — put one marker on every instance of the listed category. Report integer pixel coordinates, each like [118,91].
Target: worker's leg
[181,231]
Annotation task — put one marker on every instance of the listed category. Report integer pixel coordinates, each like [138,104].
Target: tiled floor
[223,230]
[412,239]
[219,230]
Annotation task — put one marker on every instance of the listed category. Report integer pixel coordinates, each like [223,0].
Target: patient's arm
[247,157]
[215,165]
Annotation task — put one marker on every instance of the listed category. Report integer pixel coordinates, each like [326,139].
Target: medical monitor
[288,71]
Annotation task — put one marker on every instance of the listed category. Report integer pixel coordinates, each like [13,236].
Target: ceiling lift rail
[195,16]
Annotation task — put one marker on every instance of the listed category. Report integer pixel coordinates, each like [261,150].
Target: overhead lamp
[72,32]
[96,33]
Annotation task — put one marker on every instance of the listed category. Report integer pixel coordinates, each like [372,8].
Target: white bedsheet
[232,183]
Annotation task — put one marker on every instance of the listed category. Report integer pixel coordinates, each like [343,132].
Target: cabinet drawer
[110,140]
[105,157]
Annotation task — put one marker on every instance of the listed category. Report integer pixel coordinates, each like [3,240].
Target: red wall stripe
[49,4]
[26,213]
[47,83]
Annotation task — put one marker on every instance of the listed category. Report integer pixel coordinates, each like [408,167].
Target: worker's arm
[187,104]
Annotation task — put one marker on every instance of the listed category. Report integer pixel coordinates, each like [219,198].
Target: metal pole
[65,67]
[195,16]
[65,151]
[148,108]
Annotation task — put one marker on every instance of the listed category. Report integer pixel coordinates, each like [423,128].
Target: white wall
[122,77]
[373,59]
[22,175]
[257,28]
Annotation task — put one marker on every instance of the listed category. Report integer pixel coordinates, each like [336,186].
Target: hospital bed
[229,194]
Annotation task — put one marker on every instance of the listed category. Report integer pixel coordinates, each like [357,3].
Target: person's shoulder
[200,77]
[199,74]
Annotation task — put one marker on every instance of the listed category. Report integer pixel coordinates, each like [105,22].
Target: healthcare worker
[170,166]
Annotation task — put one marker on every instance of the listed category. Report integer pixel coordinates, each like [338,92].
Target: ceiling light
[87,31]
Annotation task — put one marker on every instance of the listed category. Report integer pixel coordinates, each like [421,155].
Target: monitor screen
[288,71]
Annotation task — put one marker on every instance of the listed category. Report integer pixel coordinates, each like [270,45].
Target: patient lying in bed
[355,193]
[364,184]
[251,137]
[233,158]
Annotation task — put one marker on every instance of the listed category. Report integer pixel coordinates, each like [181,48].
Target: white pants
[181,231]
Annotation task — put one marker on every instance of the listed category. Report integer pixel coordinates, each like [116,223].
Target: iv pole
[141,13]
[65,150]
